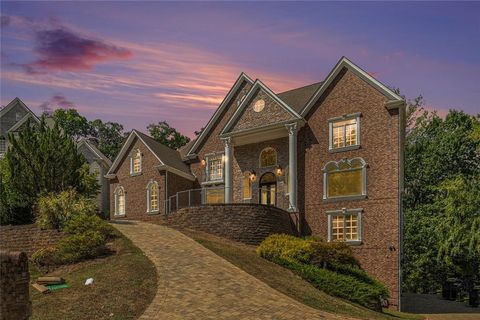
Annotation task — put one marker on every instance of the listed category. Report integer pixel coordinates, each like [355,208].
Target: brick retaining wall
[247,223]
[28,238]
[14,286]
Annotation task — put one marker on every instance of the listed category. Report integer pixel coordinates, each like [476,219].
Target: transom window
[136,162]
[268,157]
[345,178]
[119,201]
[344,132]
[344,225]
[152,196]
[215,168]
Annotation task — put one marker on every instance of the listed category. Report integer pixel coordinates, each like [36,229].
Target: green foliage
[83,223]
[40,160]
[81,246]
[286,247]
[72,123]
[166,135]
[45,257]
[439,155]
[340,285]
[55,210]
[333,253]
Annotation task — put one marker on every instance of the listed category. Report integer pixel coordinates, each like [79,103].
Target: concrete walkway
[194,283]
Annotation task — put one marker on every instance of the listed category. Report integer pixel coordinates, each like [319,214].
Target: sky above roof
[143,62]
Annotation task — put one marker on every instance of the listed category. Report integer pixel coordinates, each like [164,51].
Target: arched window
[268,157]
[119,201]
[136,162]
[152,197]
[247,186]
[345,178]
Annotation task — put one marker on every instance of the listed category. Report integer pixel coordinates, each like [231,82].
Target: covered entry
[268,189]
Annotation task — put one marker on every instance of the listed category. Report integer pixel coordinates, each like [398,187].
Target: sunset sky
[143,62]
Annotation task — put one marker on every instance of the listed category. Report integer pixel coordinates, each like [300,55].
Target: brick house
[331,152]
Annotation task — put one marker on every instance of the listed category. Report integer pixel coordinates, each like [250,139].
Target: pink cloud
[62,50]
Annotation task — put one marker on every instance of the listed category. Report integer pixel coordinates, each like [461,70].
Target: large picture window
[345,178]
[268,157]
[344,132]
[119,201]
[152,197]
[344,225]
[214,195]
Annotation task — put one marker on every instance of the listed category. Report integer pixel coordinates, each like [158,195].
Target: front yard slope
[285,281]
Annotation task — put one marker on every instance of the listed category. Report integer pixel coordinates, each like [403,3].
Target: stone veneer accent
[28,238]
[14,286]
[245,223]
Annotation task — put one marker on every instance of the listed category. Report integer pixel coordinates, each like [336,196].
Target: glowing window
[344,225]
[136,162]
[119,201]
[152,197]
[345,178]
[268,157]
[215,168]
[214,195]
[259,105]
[344,132]
[247,185]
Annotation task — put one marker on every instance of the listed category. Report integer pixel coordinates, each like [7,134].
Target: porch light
[253,176]
[203,162]
[279,171]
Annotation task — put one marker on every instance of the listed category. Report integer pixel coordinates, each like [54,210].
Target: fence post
[189,196]
[177,200]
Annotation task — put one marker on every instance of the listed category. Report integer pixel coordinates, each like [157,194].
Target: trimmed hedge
[329,266]
[83,223]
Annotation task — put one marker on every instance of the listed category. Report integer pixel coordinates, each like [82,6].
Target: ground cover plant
[330,267]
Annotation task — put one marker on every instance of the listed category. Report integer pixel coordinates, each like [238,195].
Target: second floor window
[214,168]
[345,178]
[268,157]
[136,162]
[344,132]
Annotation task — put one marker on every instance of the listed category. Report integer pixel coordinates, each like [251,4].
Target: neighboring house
[332,152]
[99,165]
[13,117]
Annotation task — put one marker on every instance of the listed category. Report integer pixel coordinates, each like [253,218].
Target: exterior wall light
[253,176]
[203,162]
[279,171]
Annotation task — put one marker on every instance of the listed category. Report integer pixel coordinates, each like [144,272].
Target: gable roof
[20,122]
[15,102]
[346,63]
[184,149]
[169,159]
[257,85]
[297,98]
[241,78]
[95,150]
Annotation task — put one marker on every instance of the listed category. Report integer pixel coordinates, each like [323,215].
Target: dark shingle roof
[298,98]
[170,157]
[184,150]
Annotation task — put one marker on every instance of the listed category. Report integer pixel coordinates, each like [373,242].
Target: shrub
[282,246]
[331,253]
[46,257]
[54,210]
[83,223]
[340,285]
[76,247]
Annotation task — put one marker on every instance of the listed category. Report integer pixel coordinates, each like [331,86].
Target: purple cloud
[56,101]
[62,50]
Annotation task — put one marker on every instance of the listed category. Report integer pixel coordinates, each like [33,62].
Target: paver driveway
[194,283]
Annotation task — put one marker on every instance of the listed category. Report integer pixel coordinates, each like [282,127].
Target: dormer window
[136,162]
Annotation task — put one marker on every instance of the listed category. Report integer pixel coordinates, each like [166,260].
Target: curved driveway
[194,283]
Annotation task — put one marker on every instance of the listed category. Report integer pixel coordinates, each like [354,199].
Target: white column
[228,170]
[292,166]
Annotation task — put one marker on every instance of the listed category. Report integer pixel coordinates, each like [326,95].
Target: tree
[166,135]
[72,123]
[41,160]
[109,137]
[436,150]
[459,229]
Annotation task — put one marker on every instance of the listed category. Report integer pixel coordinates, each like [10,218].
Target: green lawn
[124,285]
[285,281]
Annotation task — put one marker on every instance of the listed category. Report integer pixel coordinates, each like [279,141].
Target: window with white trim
[345,225]
[345,178]
[136,162]
[247,186]
[119,201]
[215,168]
[152,197]
[344,132]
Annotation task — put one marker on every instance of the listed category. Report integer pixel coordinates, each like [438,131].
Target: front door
[268,189]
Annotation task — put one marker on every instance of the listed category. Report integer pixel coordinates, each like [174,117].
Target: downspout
[166,193]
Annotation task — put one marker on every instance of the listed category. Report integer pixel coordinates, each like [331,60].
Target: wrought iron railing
[215,195]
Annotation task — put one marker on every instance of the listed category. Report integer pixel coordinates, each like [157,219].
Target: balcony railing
[215,195]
